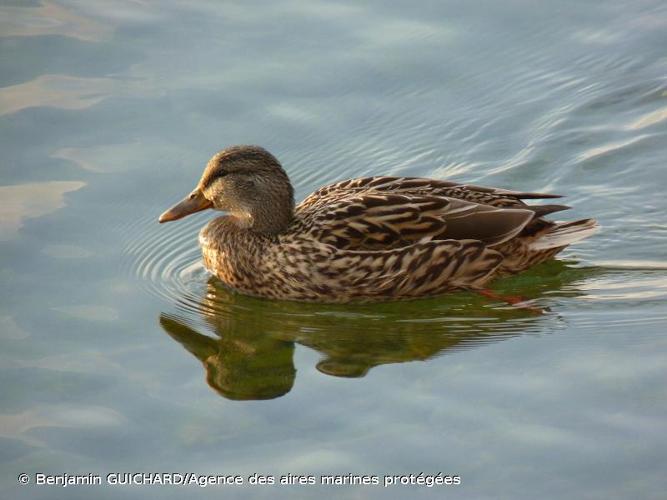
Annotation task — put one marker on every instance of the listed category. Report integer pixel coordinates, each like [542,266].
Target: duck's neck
[270,217]
[266,220]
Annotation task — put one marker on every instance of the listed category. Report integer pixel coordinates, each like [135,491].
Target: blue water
[120,353]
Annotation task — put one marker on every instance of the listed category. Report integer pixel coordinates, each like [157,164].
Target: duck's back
[496,197]
[380,213]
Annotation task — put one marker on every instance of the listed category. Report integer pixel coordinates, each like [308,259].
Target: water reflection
[251,354]
[26,201]
[243,363]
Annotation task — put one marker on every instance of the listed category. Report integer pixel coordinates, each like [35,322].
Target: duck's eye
[192,196]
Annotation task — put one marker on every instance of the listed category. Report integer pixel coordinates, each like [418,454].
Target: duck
[364,239]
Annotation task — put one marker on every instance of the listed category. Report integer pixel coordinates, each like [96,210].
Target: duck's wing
[497,197]
[380,221]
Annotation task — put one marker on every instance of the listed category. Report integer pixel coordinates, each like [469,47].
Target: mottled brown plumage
[373,238]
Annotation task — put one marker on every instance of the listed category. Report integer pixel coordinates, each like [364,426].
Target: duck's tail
[564,234]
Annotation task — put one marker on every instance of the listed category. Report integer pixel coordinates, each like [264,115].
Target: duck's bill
[195,202]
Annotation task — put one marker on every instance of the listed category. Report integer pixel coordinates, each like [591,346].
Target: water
[120,354]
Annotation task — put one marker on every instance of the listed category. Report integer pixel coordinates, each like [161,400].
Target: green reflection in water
[243,363]
[252,356]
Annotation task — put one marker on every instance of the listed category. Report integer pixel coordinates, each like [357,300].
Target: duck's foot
[514,300]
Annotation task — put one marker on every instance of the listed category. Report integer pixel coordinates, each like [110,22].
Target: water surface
[120,353]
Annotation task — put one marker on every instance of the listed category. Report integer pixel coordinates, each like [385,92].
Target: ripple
[608,148]
[649,119]
[634,264]
[167,261]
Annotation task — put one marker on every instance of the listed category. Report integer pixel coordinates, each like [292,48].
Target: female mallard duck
[372,238]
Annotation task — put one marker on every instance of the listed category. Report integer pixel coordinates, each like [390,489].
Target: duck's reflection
[251,356]
[248,365]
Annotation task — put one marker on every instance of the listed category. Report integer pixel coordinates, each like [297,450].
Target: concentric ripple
[168,263]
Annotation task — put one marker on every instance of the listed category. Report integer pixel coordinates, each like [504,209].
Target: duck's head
[249,183]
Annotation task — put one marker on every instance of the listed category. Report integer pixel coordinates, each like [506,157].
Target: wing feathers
[490,225]
[374,221]
[542,210]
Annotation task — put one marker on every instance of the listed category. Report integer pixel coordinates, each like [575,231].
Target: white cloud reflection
[26,201]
